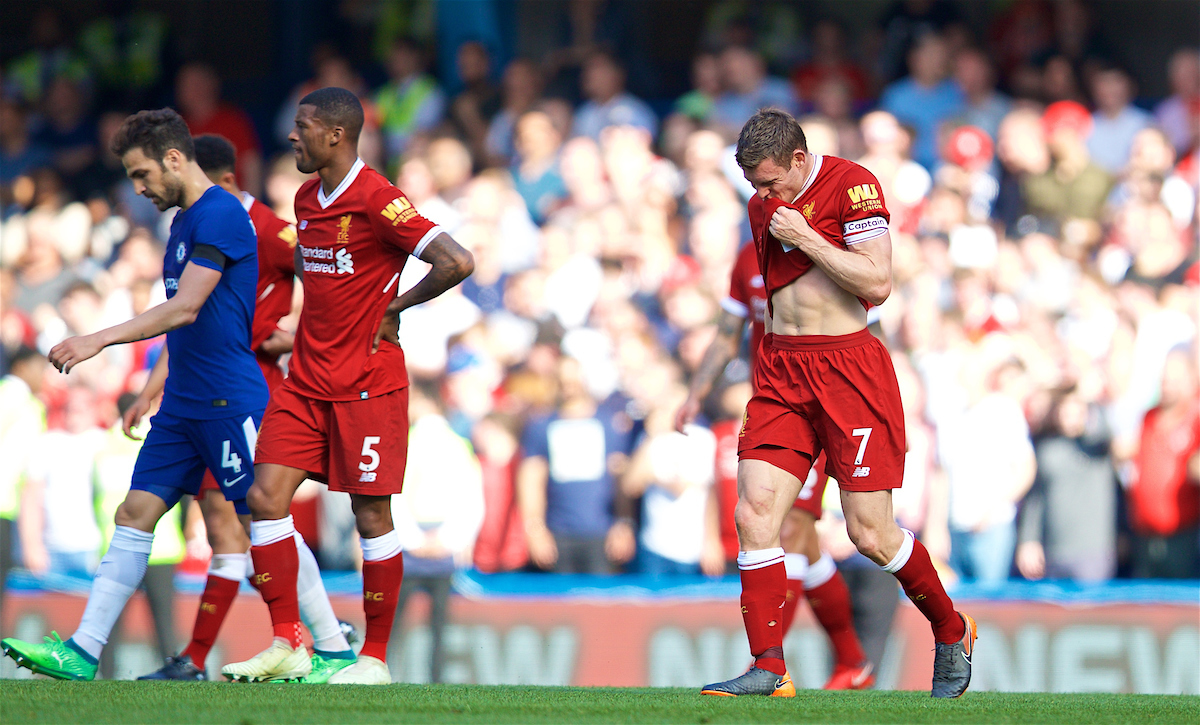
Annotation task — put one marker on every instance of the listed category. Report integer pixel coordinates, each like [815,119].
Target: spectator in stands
[828,61]
[1164,495]
[1179,115]
[989,463]
[41,275]
[198,96]
[1068,525]
[746,87]
[437,516]
[729,404]
[1022,152]
[832,101]
[1115,121]
[536,174]
[608,103]
[905,182]
[1074,186]
[22,423]
[59,532]
[520,89]
[926,98]
[472,110]
[984,107]
[500,545]
[67,127]
[411,102]
[697,104]
[672,473]
[567,481]
[19,153]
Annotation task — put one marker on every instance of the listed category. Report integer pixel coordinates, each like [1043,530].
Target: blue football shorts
[178,450]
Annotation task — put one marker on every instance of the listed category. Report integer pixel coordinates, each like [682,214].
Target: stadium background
[624,273]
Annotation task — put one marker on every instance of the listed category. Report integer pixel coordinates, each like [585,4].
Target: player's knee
[867,539]
[264,505]
[133,515]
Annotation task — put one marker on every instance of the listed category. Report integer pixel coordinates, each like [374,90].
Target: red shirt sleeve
[396,222]
[864,213]
[745,268]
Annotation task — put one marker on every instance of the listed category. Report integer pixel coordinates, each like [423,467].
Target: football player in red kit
[341,416]
[809,571]
[823,383]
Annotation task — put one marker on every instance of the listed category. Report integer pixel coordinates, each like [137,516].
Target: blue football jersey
[213,371]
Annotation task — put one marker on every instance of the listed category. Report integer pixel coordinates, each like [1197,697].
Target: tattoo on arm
[451,265]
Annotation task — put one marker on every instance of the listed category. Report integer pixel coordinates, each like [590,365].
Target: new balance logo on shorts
[862,471]
[367,477]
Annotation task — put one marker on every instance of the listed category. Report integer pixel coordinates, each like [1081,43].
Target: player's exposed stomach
[813,304]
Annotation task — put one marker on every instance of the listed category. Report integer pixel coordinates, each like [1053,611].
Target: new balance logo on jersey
[367,477]
[345,263]
[862,472]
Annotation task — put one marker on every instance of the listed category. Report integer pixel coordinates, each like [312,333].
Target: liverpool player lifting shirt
[823,383]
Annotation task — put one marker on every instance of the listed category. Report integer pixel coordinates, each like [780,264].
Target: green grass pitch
[127,703]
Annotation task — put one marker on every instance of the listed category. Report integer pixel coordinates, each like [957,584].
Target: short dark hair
[337,107]
[155,133]
[769,134]
[215,154]
[21,354]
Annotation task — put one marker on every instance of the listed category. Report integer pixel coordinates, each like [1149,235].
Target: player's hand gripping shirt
[841,201]
[276,269]
[354,244]
[748,295]
[213,372]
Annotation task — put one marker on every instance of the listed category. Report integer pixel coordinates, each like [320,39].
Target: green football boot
[53,658]
[323,668]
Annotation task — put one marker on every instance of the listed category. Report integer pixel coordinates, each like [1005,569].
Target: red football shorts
[834,394]
[813,490]
[356,446]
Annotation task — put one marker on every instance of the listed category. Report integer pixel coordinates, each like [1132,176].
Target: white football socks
[315,609]
[117,578]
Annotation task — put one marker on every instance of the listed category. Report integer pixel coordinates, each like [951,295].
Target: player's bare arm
[281,341]
[451,265]
[195,285]
[724,347]
[152,389]
[863,269]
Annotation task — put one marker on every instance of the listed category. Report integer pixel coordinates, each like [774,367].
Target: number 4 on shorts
[861,471]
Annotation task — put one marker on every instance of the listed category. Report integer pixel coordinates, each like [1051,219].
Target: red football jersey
[354,244]
[841,201]
[276,269]
[748,295]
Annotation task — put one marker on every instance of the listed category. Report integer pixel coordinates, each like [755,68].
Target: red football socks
[830,603]
[381,592]
[795,592]
[764,591]
[924,588]
[275,569]
[218,596]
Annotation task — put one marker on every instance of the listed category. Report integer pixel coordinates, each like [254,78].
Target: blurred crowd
[1043,316]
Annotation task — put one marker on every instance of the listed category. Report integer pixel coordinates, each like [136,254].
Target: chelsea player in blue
[214,393]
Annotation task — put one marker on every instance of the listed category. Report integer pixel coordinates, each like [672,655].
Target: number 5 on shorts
[370,453]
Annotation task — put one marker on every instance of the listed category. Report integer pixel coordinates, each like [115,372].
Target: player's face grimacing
[772,181]
[310,140]
[158,181]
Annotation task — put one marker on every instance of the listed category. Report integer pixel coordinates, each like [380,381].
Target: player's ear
[173,160]
[228,178]
[336,134]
